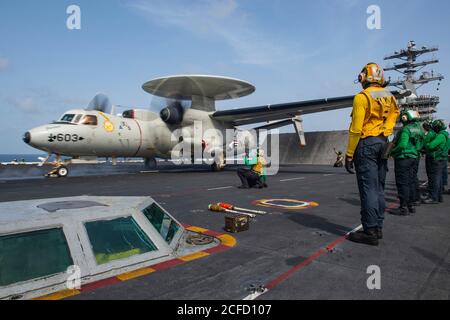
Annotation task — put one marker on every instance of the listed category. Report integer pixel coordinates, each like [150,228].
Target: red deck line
[217,249]
[167,264]
[99,284]
[313,257]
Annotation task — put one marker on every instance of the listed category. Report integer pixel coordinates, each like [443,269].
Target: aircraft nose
[27,137]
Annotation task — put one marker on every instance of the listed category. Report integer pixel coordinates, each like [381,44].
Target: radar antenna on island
[426,105]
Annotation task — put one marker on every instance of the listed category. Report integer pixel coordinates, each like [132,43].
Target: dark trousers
[428,160]
[445,175]
[371,175]
[248,177]
[435,183]
[416,180]
[405,179]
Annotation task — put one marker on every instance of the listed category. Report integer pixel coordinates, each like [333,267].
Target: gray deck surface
[413,256]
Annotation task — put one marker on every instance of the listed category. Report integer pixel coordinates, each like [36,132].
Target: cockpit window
[67,117]
[89,120]
[77,118]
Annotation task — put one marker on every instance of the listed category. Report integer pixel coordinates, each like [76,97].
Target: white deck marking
[354,230]
[291,179]
[149,171]
[255,295]
[220,188]
[329,174]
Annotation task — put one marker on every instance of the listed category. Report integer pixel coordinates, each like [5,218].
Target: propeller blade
[100,103]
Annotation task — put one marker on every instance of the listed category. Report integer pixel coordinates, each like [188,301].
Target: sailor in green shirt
[429,135]
[255,174]
[408,142]
[417,125]
[437,149]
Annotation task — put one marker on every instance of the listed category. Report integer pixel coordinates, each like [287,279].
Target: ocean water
[21,157]
[4,158]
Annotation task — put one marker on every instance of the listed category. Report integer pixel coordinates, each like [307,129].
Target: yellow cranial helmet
[371,73]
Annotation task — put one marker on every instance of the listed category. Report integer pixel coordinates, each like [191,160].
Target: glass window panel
[32,255]
[117,239]
[77,118]
[67,117]
[162,222]
[89,120]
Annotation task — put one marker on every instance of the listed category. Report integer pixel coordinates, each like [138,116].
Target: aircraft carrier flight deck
[293,254]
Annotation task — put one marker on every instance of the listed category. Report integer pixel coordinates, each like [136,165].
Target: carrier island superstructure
[408,66]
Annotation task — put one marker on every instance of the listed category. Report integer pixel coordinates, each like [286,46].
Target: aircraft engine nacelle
[172,114]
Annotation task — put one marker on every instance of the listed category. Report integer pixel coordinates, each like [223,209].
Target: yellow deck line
[135,274]
[59,295]
[227,240]
[197,229]
[194,256]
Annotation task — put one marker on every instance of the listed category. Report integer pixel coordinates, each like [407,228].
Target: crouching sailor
[254,175]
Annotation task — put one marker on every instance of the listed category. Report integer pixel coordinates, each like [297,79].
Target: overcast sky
[290,50]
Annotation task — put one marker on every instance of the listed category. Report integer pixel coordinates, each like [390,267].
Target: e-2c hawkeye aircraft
[97,132]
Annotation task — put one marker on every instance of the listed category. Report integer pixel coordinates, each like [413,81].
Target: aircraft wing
[281,111]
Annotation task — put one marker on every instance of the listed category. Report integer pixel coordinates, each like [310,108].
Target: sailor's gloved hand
[349,165]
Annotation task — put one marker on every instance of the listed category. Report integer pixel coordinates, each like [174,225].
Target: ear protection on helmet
[409,115]
[371,73]
[438,125]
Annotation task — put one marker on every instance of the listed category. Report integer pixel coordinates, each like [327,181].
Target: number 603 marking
[67,137]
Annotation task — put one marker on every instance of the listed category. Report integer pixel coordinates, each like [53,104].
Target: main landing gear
[59,171]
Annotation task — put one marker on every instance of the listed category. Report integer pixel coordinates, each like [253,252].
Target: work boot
[368,236]
[379,233]
[429,201]
[441,199]
[411,209]
[400,211]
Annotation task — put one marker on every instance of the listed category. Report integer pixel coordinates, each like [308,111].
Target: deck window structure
[117,239]
[163,223]
[33,255]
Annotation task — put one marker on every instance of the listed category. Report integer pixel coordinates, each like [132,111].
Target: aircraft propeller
[100,103]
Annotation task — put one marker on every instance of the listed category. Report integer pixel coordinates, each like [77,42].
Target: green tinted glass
[117,239]
[32,255]
[165,225]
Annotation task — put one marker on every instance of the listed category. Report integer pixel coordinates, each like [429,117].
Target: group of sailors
[415,138]
[374,117]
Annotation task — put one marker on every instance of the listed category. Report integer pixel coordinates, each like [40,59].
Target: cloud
[219,19]
[43,100]
[25,104]
[4,64]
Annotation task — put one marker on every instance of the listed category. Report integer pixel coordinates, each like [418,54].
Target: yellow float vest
[375,113]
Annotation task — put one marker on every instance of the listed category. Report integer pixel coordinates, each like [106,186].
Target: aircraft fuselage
[93,133]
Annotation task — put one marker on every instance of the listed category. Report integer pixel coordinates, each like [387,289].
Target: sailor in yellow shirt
[374,116]
[255,174]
